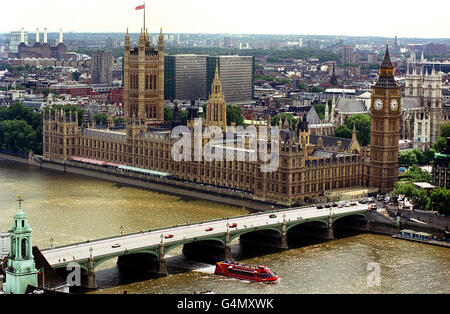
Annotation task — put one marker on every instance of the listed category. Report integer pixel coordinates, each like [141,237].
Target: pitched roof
[330,141]
[387,59]
[351,105]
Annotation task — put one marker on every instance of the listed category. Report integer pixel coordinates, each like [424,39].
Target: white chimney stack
[22,36]
[45,35]
[37,35]
[60,36]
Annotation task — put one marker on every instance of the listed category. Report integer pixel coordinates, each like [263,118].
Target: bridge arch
[241,232]
[101,260]
[171,246]
[301,222]
[350,215]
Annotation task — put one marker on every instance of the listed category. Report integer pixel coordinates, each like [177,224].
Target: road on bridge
[124,243]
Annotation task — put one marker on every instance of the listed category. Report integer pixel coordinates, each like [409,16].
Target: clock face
[394,104]
[378,104]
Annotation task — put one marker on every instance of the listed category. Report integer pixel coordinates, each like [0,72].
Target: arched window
[13,247]
[24,248]
[151,81]
[154,82]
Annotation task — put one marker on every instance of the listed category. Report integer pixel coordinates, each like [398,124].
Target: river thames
[71,208]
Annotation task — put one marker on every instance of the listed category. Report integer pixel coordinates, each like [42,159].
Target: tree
[234,114]
[119,120]
[16,111]
[440,144]
[275,121]
[363,126]
[415,174]
[407,158]
[343,131]
[320,109]
[445,130]
[168,113]
[316,89]
[100,119]
[17,136]
[440,201]
[419,197]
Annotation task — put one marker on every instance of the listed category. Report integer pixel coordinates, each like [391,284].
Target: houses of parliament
[310,166]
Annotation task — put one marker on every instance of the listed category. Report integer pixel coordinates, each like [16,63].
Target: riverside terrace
[147,250]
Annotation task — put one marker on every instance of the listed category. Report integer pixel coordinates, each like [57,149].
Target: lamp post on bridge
[51,242]
[121,229]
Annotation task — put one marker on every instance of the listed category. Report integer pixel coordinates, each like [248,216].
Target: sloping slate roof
[411,102]
[330,140]
[350,105]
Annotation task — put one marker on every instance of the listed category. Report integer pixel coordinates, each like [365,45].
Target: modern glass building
[237,74]
[190,77]
[185,77]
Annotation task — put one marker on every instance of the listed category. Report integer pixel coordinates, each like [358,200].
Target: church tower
[385,133]
[21,270]
[216,109]
[143,84]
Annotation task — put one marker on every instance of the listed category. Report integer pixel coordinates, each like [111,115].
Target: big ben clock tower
[385,131]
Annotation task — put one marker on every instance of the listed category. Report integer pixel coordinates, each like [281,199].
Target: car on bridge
[273,216]
[116,245]
[209,229]
[169,236]
[233,225]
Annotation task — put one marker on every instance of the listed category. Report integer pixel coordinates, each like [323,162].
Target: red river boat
[245,272]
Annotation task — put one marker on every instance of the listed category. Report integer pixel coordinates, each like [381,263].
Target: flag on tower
[140,7]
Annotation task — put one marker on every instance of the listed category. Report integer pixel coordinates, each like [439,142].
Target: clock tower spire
[385,131]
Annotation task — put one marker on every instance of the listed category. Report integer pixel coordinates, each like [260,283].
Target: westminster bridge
[147,249]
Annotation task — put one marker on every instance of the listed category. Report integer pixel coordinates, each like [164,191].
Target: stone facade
[309,164]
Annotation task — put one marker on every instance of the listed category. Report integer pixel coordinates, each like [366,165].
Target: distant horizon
[230,34]
[383,18]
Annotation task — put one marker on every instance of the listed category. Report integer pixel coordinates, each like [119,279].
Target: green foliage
[168,113]
[363,126]
[100,119]
[316,89]
[437,199]
[415,174]
[440,144]
[418,197]
[119,120]
[320,109]
[267,78]
[283,116]
[440,201]
[407,158]
[343,131]
[19,136]
[273,55]
[445,130]
[12,137]
[234,114]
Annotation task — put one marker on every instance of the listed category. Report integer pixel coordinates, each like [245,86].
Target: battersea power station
[308,168]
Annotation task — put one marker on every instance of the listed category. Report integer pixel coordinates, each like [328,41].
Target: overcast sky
[387,18]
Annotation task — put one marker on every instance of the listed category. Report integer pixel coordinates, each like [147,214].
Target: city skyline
[347,18]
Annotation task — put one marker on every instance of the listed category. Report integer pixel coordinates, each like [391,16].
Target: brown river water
[71,208]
